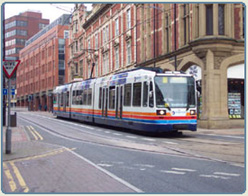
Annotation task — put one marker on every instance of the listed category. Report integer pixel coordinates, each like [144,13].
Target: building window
[107,33]
[89,44]
[116,27]
[209,19]
[186,23]
[117,58]
[129,54]
[221,18]
[41,25]
[81,44]
[96,68]
[76,46]
[167,31]
[96,41]
[66,34]
[128,18]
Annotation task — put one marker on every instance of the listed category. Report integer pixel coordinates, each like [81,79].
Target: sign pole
[8,130]
[9,67]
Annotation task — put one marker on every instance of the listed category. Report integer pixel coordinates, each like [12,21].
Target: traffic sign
[10,66]
[5,91]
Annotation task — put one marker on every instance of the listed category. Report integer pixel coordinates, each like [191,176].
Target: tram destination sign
[10,66]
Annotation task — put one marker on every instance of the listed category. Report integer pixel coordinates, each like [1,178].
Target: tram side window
[73,97]
[79,97]
[127,94]
[89,96]
[145,94]
[67,99]
[151,99]
[85,97]
[58,100]
[62,99]
[137,94]
[55,98]
[112,97]
[100,98]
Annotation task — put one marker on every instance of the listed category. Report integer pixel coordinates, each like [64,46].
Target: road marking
[148,139]
[172,172]
[104,165]
[19,178]
[31,131]
[171,143]
[132,137]
[118,134]
[36,132]
[144,165]
[183,169]
[12,183]
[214,176]
[226,174]
[106,131]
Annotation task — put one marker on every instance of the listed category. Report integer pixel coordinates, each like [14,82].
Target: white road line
[144,165]
[118,134]
[226,174]
[171,143]
[183,169]
[104,165]
[106,131]
[148,139]
[214,176]
[172,172]
[132,137]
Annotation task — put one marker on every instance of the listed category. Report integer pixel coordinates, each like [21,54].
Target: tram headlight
[192,112]
[161,112]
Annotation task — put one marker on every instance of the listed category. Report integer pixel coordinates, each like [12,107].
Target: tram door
[105,102]
[119,102]
[58,98]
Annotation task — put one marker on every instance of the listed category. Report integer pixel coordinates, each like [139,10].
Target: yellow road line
[35,137]
[12,183]
[19,178]
[41,138]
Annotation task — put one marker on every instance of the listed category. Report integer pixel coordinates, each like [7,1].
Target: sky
[50,11]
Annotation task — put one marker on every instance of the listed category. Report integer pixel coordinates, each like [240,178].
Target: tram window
[62,99]
[100,98]
[85,97]
[89,96]
[54,98]
[73,97]
[127,94]
[58,99]
[67,99]
[151,97]
[137,94]
[145,94]
[112,97]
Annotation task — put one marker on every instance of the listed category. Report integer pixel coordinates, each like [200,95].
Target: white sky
[50,11]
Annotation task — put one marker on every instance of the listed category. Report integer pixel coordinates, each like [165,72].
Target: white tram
[140,99]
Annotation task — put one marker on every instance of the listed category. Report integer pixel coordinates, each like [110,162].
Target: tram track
[99,139]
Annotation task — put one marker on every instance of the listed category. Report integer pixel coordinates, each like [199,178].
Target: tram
[140,99]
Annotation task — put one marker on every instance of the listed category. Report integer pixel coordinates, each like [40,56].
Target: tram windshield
[175,92]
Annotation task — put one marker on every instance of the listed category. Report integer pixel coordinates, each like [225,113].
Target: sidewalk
[38,167]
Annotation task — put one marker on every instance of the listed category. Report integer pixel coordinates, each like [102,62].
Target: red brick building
[43,65]
[20,28]
[105,37]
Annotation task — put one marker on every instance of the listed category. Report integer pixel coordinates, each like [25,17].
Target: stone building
[43,65]
[114,37]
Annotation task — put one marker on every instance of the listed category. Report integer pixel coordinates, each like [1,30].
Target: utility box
[13,120]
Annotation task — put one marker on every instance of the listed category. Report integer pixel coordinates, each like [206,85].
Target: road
[190,163]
